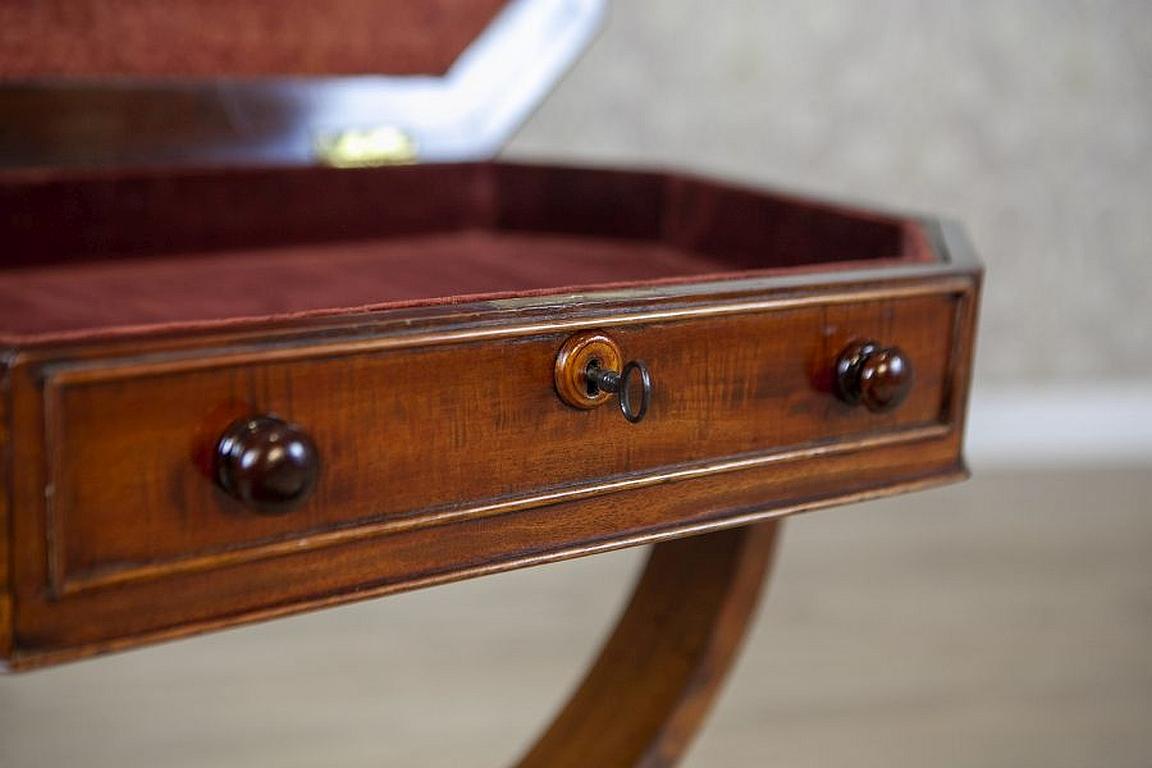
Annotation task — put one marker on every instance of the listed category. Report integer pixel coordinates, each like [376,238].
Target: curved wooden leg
[653,683]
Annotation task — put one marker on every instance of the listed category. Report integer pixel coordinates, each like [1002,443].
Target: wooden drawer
[426,430]
[444,447]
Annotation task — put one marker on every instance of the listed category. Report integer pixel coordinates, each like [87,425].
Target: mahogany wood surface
[655,679]
[407,434]
[444,449]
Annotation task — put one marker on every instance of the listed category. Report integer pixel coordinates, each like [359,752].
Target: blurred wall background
[1030,121]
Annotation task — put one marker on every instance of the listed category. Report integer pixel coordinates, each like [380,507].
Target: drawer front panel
[423,431]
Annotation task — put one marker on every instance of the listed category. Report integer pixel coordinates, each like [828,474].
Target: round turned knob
[879,377]
[267,464]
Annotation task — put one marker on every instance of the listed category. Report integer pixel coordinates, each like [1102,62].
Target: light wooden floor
[1005,622]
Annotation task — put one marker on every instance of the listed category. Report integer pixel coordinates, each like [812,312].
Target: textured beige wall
[1029,121]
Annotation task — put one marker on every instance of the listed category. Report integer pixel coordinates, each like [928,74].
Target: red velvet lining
[220,38]
[194,288]
[100,255]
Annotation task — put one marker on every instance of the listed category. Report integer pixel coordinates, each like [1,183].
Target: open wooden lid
[170,82]
[225,38]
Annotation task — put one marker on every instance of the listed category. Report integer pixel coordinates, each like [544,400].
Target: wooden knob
[267,464]
[878,377]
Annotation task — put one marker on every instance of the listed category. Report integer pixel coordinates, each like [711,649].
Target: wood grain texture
[410,436]
[357,566]
[656,676]
[49,631]
[6,560]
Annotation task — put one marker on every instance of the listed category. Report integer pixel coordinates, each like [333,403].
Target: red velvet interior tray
[94,254]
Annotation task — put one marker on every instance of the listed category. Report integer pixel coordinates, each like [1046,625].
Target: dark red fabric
[188,288]
[217,38]
[98,254]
